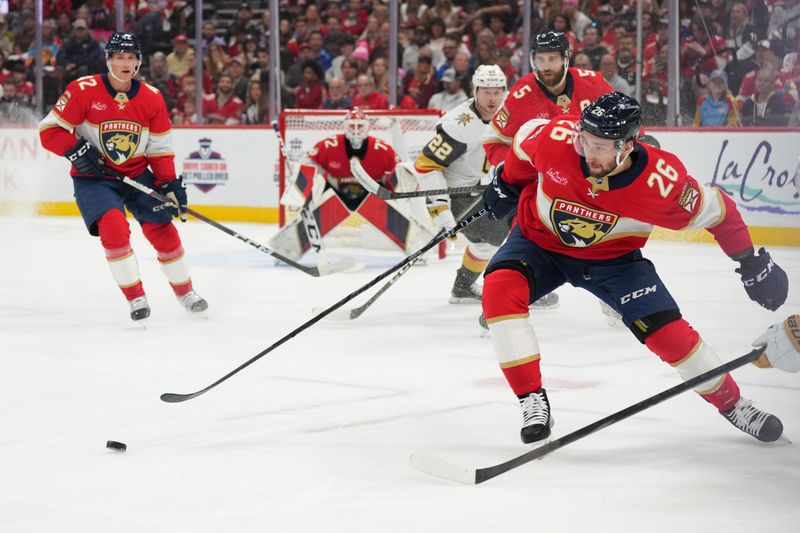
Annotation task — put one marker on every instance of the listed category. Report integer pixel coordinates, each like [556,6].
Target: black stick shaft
[175,397]
[483,474]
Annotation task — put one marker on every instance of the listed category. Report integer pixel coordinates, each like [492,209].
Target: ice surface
[316,436]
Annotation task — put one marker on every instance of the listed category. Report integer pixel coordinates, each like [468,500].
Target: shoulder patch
[501,118]
[463,119]
[62,101]
[688,197]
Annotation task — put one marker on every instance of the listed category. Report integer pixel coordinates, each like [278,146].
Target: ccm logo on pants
[637,294]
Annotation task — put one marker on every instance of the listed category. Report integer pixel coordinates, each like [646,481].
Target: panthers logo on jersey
[120,139]
[580,226]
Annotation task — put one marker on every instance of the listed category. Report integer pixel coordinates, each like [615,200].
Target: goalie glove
[781,344]
[308,184]
[765,282]
[441,215]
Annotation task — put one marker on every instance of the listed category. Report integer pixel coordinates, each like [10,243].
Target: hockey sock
[167,242]
[505,305]
[680,345]
[115,237]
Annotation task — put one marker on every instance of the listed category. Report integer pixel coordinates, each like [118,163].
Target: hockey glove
[765,282]
[499,197]
[442,216]
[781,345]
[86,159]
[175,190]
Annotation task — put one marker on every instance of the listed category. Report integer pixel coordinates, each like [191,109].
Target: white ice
[316,435]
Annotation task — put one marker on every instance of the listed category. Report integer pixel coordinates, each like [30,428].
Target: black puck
[117,446]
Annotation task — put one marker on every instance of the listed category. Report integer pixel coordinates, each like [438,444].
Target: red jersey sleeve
[56,130]
[675,200]
[508,119]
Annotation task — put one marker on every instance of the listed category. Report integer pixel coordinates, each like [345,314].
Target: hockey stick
[385,194]
[171,397]
[307,214]
[322,270]
[431,464]
[355,312]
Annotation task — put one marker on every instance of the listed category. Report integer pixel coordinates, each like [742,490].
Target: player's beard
[598,170]
[553,80]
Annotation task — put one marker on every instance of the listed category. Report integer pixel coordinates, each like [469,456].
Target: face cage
[356,131]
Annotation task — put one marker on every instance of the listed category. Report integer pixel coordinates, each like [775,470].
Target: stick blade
[342,265]
[433,465]
[172,397]
[341,314]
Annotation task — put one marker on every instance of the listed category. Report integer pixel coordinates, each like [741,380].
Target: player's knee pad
[516,266]
[163,237]
[678,344]
[646,326]
[505,294]
[115,233]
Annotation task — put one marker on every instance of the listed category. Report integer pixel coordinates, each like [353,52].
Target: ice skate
[548,301]
[465,290]
[753,421]
[536,419]
[140,309]
[192,302]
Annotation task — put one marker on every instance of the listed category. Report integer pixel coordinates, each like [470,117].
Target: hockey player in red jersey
[115,121]
[587,196]
[335,194]
[552,89]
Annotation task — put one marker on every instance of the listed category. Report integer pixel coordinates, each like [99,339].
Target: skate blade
[783,439]
[465,300]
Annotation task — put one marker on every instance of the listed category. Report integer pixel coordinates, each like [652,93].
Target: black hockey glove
[175,190]
[499,197]
[765,282]
[86,159]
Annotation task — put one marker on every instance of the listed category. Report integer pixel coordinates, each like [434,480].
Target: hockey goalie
[324,184]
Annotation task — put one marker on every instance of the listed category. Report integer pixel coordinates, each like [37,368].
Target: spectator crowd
[738,59]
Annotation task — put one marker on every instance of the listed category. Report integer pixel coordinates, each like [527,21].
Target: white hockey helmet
[488,76]
[356,127]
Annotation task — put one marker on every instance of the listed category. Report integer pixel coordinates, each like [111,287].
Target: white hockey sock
[701,359]
[173,265]
[124,266]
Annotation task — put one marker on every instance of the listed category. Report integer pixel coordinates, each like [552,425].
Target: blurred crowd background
[738,59]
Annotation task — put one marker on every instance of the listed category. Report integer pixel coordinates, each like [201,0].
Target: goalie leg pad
[505,305]
[115,235]
[678,344]
[387,219]
[292,240]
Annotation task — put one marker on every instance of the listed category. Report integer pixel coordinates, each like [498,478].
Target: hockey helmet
[356,127]
[613,116]
[550,41]
[122,41]
[489,76]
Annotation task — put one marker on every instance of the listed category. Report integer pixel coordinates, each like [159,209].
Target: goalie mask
[356,128]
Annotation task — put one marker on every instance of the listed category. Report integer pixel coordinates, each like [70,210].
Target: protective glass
[588,145]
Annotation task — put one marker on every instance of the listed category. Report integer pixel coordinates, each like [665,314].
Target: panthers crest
[119,139]
[580,226]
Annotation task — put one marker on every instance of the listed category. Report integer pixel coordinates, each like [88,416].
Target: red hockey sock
[505,306]
[167,242]
[115,237]
[680,345]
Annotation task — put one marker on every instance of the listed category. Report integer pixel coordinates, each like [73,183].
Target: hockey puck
[116,446]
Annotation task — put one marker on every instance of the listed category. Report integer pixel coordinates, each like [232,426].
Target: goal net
[407,131]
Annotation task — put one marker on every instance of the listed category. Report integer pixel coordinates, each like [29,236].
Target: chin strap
[111,72]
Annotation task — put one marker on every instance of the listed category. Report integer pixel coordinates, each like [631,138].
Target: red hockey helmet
[356,127]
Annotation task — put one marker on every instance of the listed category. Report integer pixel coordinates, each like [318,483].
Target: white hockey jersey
[455,156]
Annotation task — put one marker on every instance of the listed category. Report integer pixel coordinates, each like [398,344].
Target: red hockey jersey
[132,130]
[565,210]
[378,161]
[529,99]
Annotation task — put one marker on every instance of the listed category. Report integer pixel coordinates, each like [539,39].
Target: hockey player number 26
[664,171]
[440,148]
